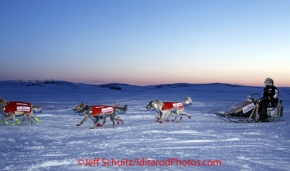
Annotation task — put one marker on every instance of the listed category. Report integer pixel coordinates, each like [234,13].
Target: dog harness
[101,109]
[172,105]
[12,107]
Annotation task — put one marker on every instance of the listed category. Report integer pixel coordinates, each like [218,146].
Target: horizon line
[107,83]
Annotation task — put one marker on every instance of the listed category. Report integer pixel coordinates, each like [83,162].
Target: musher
[269,99]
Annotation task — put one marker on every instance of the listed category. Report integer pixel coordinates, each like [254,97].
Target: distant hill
[177,85]
[115,85]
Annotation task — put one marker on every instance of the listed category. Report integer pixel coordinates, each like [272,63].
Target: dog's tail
[121,110]
[117,104]
[187,101]
[37,109]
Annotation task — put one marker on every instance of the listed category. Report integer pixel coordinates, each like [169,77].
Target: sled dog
[2,104]
[96,112]
[164,109]
[15,108]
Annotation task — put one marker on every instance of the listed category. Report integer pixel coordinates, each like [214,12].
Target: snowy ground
[57,144]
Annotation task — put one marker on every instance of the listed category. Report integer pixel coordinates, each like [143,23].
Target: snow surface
[56,143]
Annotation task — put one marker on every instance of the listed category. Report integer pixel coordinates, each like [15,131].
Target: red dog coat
[12,107]
[102,109]
[172,105]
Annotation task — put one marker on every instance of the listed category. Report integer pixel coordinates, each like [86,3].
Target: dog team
[94,112]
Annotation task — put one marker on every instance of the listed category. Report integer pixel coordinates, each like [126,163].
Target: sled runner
[247,111]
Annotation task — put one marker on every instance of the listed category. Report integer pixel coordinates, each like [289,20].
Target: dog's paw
[78,124]
[99,125]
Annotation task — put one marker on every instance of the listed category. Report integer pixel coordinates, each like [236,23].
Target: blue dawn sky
[145,42]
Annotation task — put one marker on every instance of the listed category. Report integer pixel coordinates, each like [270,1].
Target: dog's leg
[97,121]
[184,113]
[112,120]
[13,118]
[3,117]
[19,122]
[179,116]
[29,118]
[35,118]
[6,118]
[84,119]
[174,115]
[158,115]
[162,116]
[93,119]
[118,119]
[166,115]
[104,119]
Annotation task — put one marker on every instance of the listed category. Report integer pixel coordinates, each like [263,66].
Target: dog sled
[248,111]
